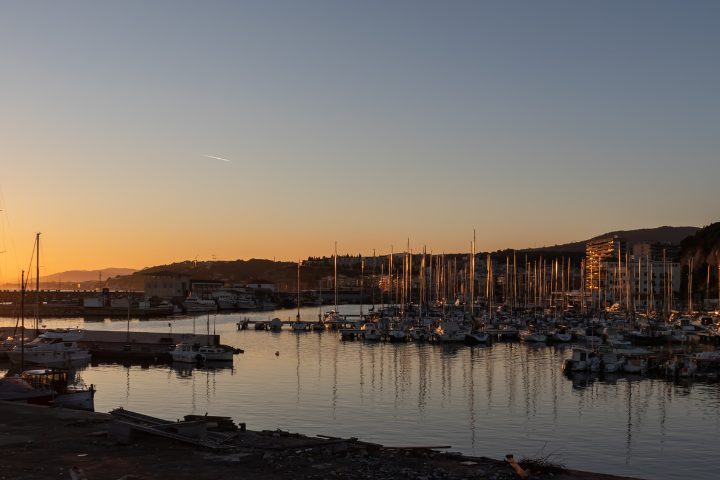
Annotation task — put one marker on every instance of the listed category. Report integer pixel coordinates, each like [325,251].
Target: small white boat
[54,347]
[193,353]
[634,365]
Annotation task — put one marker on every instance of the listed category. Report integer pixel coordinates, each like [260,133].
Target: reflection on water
[491,400]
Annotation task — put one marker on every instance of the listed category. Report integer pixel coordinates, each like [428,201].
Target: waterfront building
[641,284]
[166,285]
[598,254]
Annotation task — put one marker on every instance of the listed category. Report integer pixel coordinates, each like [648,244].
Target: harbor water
[483,400]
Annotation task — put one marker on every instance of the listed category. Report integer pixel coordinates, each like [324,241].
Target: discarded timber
[194,432]
[224,424]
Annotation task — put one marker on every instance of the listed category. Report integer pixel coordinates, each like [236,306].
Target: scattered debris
[515,466]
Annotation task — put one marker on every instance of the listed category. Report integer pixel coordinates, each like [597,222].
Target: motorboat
[275,325]
[194,353]
[581,360]
[54,347]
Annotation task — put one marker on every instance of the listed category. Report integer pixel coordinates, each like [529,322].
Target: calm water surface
[490,401]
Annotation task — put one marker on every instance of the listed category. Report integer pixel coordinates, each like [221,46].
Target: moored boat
[56,347]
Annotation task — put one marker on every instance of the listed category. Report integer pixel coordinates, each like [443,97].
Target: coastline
[72,442]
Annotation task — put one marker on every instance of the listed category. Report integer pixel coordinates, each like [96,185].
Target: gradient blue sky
[533,122]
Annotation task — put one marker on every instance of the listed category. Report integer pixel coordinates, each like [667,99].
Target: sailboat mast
[37,282]
[390,275]
[335,276]
[362,283]
[298,291]
[472,277]
[22,321]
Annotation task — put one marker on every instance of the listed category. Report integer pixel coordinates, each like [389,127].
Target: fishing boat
[51,387]
[54,347]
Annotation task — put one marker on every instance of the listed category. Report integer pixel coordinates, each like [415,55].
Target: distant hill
[79,276]
[703,247]
[673,235]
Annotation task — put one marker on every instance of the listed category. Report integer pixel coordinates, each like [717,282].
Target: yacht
[195,304]
[53,347]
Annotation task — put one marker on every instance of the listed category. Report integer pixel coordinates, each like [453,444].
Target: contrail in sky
[216,158]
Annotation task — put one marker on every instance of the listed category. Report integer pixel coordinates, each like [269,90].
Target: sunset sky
[535,123]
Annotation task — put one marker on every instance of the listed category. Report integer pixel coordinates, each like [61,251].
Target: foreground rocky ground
[41,443]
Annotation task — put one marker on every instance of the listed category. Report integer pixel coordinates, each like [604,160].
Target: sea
[488,401]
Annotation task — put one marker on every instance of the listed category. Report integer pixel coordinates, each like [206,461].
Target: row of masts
[542,283]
